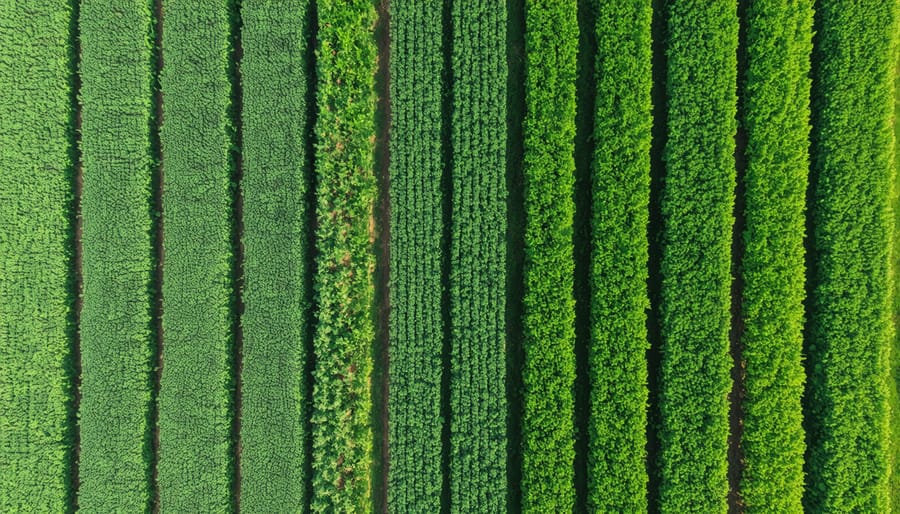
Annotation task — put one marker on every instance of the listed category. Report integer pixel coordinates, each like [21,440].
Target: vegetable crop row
[116,340]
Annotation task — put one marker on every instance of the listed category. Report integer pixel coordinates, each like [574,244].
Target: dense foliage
[276,217]
[849,328]
[195,396]
[478,258]
[117,345]
[36,249]
[775,116]
[697,203]
[617,473]
[416,334]
[345,332]
[548,372]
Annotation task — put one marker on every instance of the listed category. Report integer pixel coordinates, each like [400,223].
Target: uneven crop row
[849,335]
[345,331]
[775,116]
[478,403]
[548,373]
[416,335]
[620,175]
[195,396]
[276,217]
[117,347]
[36,249]
[697,205]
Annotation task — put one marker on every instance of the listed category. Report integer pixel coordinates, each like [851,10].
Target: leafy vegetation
[775,115]
[849,328]
[697,207]
[548,374]
[117,346]
[195,396]
[36,249]
[276,216]
[345,332]
[478,403]
[617,473]
[416,338]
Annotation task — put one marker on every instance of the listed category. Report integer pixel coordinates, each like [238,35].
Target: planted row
[697,203]
[36,249]
[849,322]
[344,289]
[116,340]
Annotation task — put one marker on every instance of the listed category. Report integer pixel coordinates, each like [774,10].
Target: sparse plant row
[36,256]
[849,322]
[775,115]
[548,373]
[697,203]
[478,405]
[195,468]
[617,472]
[277,297]
[116,341]
[344,287]
[416,339]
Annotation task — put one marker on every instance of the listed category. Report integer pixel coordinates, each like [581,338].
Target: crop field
[451,256]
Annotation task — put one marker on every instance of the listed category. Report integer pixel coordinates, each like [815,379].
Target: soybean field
[482,256]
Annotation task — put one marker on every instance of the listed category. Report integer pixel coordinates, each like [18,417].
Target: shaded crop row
[416,335]
[36,250]
[195,399]
[117,347]
[849,325]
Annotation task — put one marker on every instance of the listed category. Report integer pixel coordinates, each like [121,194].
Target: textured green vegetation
[548,373]
[345,333]
[36,292]
[276,296]
[416,336]
[847,410]
[117,354]
[894,396]
[478,258]
[697,208]
[195,458]
[775,114]
[617,473]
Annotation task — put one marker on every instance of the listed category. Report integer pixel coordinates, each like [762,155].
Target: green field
[458,257]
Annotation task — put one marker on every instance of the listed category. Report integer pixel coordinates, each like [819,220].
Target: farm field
[459,257]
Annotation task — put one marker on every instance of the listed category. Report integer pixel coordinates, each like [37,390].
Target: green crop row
[697,203]
[416,337]
[117,346]
[849,335]
[548,372]
[276,216]
[345,331]
[478,405]
[617,473]
[36,249]
[195,396]
[775,116]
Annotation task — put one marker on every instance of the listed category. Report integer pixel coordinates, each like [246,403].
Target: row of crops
[636,256]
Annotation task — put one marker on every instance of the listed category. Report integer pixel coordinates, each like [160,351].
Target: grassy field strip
[478,258]
[36,249]
[195,457]
[416,337]
[548,374]
[344,287]
[617,474]
[697,209]
[276,296]
[894,396]
[775,115]
[847,415]
[117,346]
